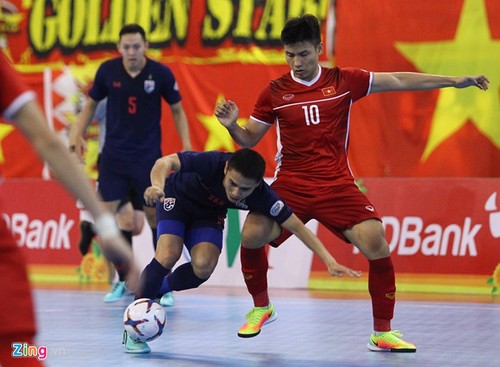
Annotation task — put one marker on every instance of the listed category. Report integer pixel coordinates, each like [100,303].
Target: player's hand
[337,270]
[479,81]
[153,194]
[227,113]
[79,149]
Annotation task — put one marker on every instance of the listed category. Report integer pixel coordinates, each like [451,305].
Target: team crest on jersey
[168,204]
[328,91]
[288,97]
[149,86]
[276,208]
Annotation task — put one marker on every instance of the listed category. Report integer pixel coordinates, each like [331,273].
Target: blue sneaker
[134,346]
[167,300]
[117,292]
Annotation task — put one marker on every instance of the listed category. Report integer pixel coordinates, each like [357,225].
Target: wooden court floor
[326,328]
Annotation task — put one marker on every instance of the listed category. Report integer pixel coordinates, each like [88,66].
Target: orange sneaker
[390,341]
[256,318]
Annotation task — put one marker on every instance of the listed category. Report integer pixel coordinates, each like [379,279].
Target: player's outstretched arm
[295,225]
[405,81]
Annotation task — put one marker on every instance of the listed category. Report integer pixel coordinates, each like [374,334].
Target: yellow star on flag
[471,52]
[5,129]
[218,136]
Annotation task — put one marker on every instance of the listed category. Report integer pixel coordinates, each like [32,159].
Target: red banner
[442,233]
[45,225]
[217,49]
[447,132]
[433,226]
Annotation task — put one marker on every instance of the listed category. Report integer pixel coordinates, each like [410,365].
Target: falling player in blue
[134,86]
[191,206]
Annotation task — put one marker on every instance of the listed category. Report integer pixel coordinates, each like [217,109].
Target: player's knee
[203,268]
[377,247]
[379,242]
[258,230]
[166,256]
[138,223]
[252,240]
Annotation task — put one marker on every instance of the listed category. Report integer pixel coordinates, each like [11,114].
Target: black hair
[300,29]
[133,28]
[249,163]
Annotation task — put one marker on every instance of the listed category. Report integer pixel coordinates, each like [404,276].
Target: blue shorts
[116,178]
[173,218]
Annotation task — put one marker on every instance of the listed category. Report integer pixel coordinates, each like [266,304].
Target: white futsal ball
[144,319]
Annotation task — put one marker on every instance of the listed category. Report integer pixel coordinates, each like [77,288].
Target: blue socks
[184,278]
[151,279]
[155,281]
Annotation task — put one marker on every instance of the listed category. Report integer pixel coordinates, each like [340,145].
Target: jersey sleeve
[14,93]
[265,200]
[263,109]
[170,90]
[359,81]
[99,90]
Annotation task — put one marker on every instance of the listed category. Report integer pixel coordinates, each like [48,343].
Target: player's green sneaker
[117,291]
[134,346]
[390,341]
[167,300]
[256,318]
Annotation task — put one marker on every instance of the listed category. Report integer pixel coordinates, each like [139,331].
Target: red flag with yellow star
[447,132]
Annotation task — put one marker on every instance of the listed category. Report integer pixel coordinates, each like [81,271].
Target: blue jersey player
[134,86]
[191,206]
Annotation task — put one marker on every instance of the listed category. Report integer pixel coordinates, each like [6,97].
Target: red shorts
[17,317]
[336,207]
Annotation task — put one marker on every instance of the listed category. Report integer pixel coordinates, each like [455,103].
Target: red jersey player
[311,106]
[17,104]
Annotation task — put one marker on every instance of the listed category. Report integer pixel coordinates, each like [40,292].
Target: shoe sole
[273,317]
[374,348]
[142,351]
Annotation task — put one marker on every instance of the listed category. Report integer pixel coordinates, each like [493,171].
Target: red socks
[381,284]
[382,287]
[254,267]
